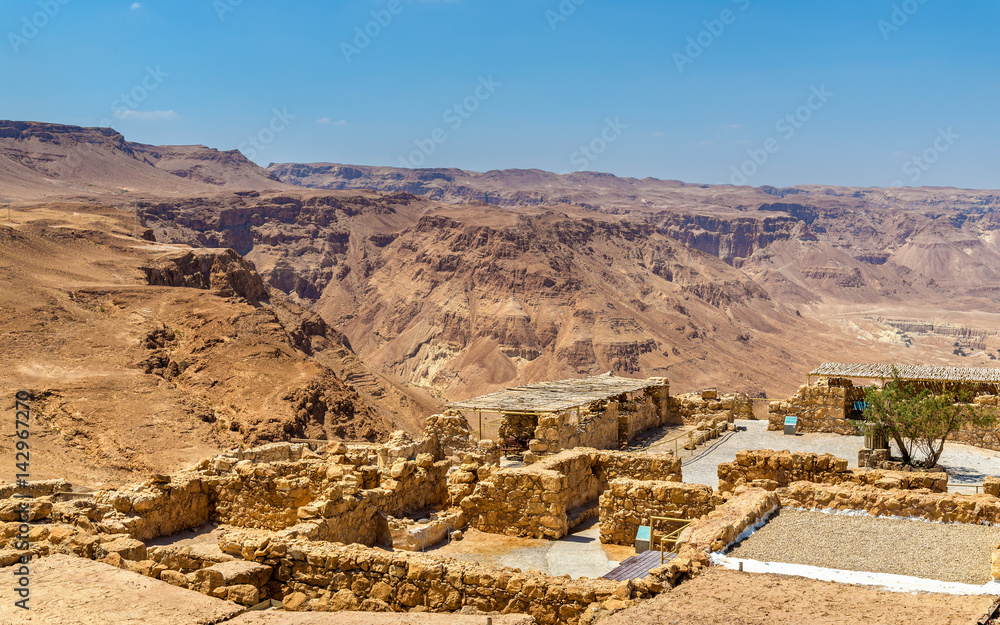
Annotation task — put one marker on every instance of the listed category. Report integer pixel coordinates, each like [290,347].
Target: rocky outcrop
[221,270]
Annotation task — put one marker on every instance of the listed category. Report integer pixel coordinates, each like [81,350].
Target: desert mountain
[143,356]
[486,280]
[467,299]
[39,160]
[860,258]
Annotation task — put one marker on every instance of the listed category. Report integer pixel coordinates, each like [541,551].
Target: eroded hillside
[142,356]
[466,299]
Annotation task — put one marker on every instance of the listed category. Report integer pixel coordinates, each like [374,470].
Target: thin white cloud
[136,5]
[656,134]
[146,116]
[730,126]
[328,121]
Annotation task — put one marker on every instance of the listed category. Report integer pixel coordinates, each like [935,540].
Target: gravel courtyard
[945,552]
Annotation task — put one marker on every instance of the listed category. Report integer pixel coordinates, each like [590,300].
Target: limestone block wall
[335,577]
[943,507]
[268,495]
[652,410]
[450,433]
[35,489]
[627,504]
[770,469]
[719,529]
[820,407]
[525,501]
[695,408]
[537,500]
[158,509]
[558,431]
[281,495]
[621,464]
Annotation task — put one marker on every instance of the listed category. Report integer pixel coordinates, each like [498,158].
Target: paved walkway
[962,462]
[579,555]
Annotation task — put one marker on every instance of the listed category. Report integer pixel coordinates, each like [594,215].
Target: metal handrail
[715,427]
[977,486]
[671,538]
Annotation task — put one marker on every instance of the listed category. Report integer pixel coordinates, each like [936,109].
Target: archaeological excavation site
[559,503]
[425,312]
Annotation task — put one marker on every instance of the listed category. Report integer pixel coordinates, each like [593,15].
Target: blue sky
[854,92]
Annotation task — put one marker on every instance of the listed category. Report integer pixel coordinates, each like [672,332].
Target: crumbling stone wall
[280,495]
[770,470]
[158,508]
[710,406]
[651,410]
[559,431]
[715,532]
[622,464]
[319,575]
[35,489]
[524,501]
[627,504]
[450,433]
[539,500]
[335,577]
[820,407]
[943,507]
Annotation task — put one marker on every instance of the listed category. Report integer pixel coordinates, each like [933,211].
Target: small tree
[918,420]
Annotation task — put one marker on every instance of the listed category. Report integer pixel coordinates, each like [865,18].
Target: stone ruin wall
[298,563]
[709,406]
[985,438]
[606,424]
[627,504]
[537,500]
[824,406]
[320,575]
[337,577]
[651,410]
[769,470]
[559,431]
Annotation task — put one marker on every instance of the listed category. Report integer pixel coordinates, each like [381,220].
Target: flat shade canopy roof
[920,373]
[555,396]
